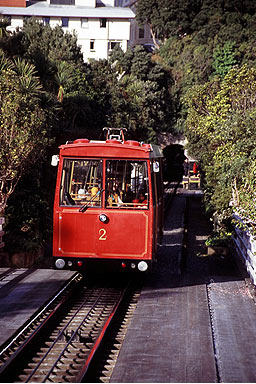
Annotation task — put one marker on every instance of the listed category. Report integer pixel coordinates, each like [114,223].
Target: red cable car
[108,206]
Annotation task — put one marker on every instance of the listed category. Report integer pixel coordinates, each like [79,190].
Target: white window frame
[65,20]
[46,20]
[115,42]
[103,22]
[92,45]
[141,32]
[84,22]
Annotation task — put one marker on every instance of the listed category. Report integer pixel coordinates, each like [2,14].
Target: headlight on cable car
[60,263]
[142,266]
[103,218]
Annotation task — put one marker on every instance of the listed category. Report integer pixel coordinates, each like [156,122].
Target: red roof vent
[81,141]
[148,146]
[132,142]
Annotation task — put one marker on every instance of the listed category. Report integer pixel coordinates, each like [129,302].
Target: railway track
[59,343]
[170,190]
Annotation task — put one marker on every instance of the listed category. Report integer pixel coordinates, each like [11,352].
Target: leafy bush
[220,238]
[28,216]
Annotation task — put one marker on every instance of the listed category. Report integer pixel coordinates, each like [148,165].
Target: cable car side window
[80,182]
[127,184]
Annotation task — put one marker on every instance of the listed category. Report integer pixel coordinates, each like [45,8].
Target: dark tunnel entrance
[173,162]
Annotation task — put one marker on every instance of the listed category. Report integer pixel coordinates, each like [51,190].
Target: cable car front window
[80,181]
[127,184]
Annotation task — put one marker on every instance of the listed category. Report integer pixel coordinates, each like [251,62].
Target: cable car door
[80,205]
[125,231]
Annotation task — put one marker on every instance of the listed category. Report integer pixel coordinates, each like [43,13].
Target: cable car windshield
[126,184]
[80,182]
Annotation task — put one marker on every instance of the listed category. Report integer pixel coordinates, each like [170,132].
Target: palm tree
[62,77]
[4,23]
[27,81]
[5,63]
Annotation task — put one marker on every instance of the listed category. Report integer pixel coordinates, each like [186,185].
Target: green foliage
[50,44]
[28,215]
[219,238]
[221,130]
[6,64]
[23,126]
[48,92]
[220,36]
[167,18]
[197,80]
[140,97]
[246,207]
[224,58]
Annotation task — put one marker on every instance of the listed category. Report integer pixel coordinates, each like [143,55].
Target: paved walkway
[169,339]
[195,320]
[23,293]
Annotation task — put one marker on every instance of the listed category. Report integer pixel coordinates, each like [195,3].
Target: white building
[139,34]
[99,25]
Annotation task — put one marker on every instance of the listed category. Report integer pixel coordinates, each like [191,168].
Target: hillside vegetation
[199,81]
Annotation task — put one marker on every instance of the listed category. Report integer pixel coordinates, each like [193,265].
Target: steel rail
[96,343]
[168,196]
[32,321]
[101,335]
[59,337]
[88,318]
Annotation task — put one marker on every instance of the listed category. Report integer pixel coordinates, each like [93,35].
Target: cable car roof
[110,148]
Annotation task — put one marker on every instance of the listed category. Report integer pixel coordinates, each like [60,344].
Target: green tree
[23,126]
[221,131]
[139,94]
[53,44]
[221,36]
[166,18]
[225,58]
[177,18]
[63,77]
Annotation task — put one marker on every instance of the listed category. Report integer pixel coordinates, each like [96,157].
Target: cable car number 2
[103,234]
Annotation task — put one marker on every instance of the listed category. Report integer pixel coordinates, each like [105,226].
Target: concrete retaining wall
[245,246]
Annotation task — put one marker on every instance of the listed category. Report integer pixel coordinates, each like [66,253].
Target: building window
[84,22]
[26,18]
[64,21]
[46,20]
[103,23]
[62,2]
[113,44]
[141,33]
[92,48]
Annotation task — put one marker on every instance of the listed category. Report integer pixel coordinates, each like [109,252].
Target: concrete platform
[195,318]
[234,331]
[23,292]
[169,338]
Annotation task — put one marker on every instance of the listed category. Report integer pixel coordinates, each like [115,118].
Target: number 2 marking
[103,234]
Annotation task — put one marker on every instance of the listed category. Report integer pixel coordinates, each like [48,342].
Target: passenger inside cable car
[82,182]
[125,178]
[141,201]
[114,198]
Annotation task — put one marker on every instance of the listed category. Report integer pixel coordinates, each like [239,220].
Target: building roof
[44,9]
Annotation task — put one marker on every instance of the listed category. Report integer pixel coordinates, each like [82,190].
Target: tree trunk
[154,37]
